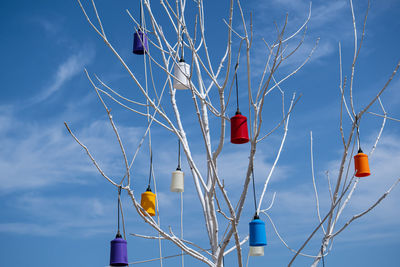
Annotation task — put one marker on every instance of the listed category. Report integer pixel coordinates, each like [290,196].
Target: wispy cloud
[56,216]
[299,202]
[68,69]
[36,155]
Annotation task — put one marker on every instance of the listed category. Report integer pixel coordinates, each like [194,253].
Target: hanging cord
[179,156]
[122,218]
[182,45]
[358,136]
[182,253]
[237,90]
[118,210]
[151,170]
[323,259]
[141,17]
[254,192]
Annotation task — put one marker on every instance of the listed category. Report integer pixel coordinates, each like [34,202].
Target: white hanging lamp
[177,181]
[181,73]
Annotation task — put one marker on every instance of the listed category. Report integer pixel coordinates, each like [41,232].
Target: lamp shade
[148,202]
[258,236]
[239,131]
[140,43]
[181,73]
[118,252]
[177,181]
[361,164]
[257,251]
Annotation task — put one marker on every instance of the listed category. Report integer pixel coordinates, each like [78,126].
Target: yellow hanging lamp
[148,200]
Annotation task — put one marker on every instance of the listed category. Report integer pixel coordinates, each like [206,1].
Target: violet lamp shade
[239,131]
[140,43]
[119,252]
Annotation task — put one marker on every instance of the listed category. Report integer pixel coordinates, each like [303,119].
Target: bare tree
[211,90]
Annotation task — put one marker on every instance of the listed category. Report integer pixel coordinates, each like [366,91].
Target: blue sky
[55,209]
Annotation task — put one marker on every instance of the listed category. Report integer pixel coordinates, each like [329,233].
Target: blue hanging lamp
[119,249]
[258,236]
[140,42]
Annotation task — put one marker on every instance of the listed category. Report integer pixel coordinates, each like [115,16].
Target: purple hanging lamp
[140,42]
[119,249]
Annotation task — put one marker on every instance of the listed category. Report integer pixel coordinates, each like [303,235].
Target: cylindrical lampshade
[119,252]
[182,72]
[239,131]
[257,251]
[140,43]
[361,165]
[258,236]
[148,202]
[177,181]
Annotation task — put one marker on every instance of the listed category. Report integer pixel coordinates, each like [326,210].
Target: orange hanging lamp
[148,200]
[361,164]
[239,131]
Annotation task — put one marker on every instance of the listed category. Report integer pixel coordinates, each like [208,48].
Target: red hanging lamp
[239,131]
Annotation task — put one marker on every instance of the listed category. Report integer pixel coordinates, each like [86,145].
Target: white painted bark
[164,54]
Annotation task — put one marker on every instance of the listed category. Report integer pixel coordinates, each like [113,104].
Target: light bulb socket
[118,235]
